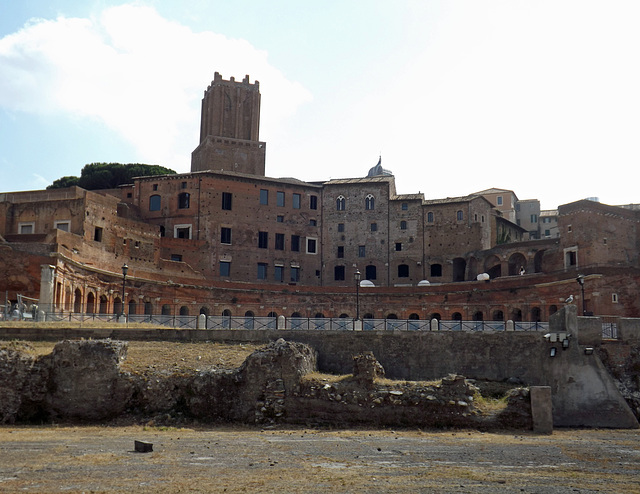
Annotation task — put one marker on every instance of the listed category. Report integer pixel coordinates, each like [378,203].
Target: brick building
[225,238]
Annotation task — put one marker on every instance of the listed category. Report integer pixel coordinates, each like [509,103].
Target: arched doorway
[537,261]
[493,267]
[103,304]
[117,305]
[91,303]
[77,301]
[132,307]
[459,268]
[536,314]
[517,261]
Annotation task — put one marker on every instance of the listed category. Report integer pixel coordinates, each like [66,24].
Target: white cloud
[140,74]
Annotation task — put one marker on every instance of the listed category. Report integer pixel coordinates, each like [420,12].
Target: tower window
[369,202]
[183,200]
[154,203]
[340,203]
[226,200]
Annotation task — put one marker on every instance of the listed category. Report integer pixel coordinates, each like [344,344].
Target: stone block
[541,409]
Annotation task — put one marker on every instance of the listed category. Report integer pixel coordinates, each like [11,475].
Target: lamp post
[125,269]
[580,280]
[357,277]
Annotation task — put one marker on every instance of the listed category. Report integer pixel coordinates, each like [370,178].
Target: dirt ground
[102,459]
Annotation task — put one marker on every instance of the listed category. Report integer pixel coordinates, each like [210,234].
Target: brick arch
[493,266]
[517,260]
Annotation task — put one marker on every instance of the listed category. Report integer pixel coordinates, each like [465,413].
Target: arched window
[498,315]
[132,307]
[403,271]
[154,203]
[166,310]
[369,202]
[184,310]
[429,217]
[436,270]
[459,215]
[370,272]
[340,203]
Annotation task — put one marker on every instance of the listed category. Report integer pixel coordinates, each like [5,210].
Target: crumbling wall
[82,380]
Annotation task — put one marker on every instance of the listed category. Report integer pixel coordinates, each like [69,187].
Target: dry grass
[161,356]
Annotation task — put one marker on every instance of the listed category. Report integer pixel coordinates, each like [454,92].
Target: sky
[457,96]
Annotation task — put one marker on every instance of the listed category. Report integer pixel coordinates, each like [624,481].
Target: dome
[377,170]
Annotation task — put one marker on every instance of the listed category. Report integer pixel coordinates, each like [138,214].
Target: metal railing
[293,323]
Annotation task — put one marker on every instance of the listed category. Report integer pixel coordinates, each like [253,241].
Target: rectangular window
[405,206]
[313,222]
[280,218]
[264,196]
[227,198]
[340,251]
[311,245]
[97,234]
[278,273]
[338,273]
[225,268]
[184,185]
[295,243]
[176,257]
[65,226]
[534,218]
[547,233]
[313,202]
[225,235]
[155,203]
[374,227]
[295,274]
[296,201]
[155,187]
[263,240]
[499,200]
[398,246]
[361,251]
[262,271]
[280,198]
[183,200]
[182,231]
[341,227]
[279,241]
[26,228]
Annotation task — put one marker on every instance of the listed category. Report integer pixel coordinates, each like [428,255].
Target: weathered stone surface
[86,382]
[366,369]
[22,383]
[82,380]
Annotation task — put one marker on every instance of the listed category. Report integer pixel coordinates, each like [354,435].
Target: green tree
[64,182]
[95,176]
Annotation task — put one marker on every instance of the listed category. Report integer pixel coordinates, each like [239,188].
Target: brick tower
[229,128]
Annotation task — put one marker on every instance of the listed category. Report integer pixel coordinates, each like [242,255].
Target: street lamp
[357,276]
[125,269]
[580,280]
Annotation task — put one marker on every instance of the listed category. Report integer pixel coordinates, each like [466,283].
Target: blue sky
[457,96]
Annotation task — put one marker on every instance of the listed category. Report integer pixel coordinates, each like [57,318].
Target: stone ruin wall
[81,381]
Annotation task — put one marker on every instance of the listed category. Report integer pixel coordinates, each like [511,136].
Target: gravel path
[223,459]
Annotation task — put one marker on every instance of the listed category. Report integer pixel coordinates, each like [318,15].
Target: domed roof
[377,170]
